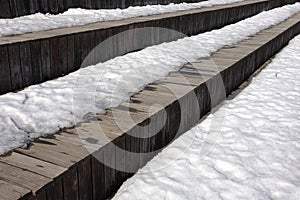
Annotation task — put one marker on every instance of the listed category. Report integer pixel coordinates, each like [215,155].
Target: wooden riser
[37,57]
[60,167]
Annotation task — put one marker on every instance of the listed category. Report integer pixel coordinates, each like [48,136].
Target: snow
[77,16]
[48,107]
[255,155]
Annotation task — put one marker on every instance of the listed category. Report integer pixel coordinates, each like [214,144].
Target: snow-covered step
[63,165]
[247,149]
[13,8]
[36,57]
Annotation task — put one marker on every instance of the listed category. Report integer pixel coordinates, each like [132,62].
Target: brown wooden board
[25,60]
[15,67]
[5,80]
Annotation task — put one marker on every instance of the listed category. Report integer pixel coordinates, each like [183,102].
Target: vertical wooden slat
[85,179]
[25,59]
[78,50]
[54,58]
[53,7]
[98,178]
[34,8]
[60,5]
[70,185]
[109,169]
[70,53]
[121,174]
[13,8]
[15,66]
[55,190]
[46,65]
[36,61]
[5,9]
[63,58]
[43,6]
[5,82]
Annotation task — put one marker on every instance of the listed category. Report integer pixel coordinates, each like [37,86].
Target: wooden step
[86,162]
[40,56]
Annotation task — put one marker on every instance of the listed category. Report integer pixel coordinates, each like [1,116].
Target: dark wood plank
[5,82]
[87,46]
[53,6]
[78,38]
[109,169]
[60,5]
[70,53]
[54,191]
[25,59]
[15,66]
[70,185]
[34,7]
[54,58]
[45,55]
[85,179]
[43,6]
[36,61]
[98,177]
[13,8]
[63,59]
[5,9]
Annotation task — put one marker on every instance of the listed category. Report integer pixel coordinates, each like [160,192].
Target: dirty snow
[256,156]
[45,108]
[78,16]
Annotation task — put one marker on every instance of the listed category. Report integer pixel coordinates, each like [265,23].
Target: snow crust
[78,16]
[256,156]
[47,107]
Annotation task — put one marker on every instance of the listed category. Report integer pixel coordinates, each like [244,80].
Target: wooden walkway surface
[40,56]
[63,166]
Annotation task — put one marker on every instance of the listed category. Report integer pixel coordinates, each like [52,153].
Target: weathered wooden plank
[49,156]
[60,6]
[78,38]
[5,80]
[54,59]
[43,6]
[34,7]
[70,53]
[45,61]
[13,8]
[25,59]
[63,59]
[65,147]
[98,179]
[36,62]
[12,192]
[85,179]
[15,67]
[22,178]
[54,191]
[70,184]
[109,169]
[34,165]
[53,6]
[5,9]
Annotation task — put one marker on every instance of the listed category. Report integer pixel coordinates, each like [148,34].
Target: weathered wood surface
[16,8]
[37,57]
[62,167]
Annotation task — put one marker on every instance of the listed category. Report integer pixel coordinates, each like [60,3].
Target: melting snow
[256,156]
[45,108]
[78,16]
